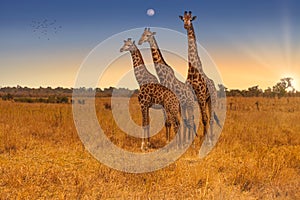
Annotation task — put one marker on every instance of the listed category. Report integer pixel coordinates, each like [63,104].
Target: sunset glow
[257,44]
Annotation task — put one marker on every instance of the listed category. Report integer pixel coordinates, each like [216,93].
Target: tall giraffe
[167,78]
[203,86]
[152,94]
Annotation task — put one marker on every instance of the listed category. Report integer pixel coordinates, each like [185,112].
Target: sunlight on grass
[257,156]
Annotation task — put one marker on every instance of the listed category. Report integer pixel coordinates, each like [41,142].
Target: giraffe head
[146,36]
[187,18]
[129,45]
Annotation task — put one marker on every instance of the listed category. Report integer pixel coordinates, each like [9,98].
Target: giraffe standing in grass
[152,94]
[156,94]
[203,86]
[167,78]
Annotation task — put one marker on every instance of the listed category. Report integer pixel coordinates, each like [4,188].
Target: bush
[25,100]
[7,97]
[51,99]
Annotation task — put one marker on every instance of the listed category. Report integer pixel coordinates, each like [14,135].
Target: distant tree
[8,96]
[244,93]
[254,91]
[280,89]
[268,92]
[62,99]
[234,93]
[98,90]
[51,99]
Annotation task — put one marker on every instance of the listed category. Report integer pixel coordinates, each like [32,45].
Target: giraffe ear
[180,17]
[125,41]
[193,18]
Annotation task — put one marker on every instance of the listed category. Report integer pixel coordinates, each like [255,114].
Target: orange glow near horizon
[239,69]
[249,66]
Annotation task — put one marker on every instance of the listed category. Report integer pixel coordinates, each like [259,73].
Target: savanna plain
[257,155]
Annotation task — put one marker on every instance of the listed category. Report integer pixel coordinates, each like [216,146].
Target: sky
[251,42]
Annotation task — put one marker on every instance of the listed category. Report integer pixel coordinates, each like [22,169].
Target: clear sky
[253,42]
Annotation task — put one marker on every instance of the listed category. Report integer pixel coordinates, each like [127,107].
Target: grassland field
[256,157]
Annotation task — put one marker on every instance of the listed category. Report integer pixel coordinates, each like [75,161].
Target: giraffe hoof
[143,147]
[148,145]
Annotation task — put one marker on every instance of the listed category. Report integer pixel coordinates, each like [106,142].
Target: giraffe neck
[156,54]
[164,72]
[137,58]
[142,75]
[193,56]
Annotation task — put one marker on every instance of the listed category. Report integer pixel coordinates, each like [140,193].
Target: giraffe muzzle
[140,42]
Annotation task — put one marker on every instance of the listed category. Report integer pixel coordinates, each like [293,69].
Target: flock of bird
[45,29]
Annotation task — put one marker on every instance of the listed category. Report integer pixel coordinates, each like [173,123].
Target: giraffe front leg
[143,144]
[211,123]
[145,115]
[168,127]
[148,137]
[145,140]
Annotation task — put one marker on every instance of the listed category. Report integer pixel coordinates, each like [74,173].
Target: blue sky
[246,38]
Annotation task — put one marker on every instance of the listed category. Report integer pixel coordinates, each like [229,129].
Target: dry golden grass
[257,156]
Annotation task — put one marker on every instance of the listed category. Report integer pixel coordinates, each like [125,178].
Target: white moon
[150,12]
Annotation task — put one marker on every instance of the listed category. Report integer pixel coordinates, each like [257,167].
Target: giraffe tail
[217,119]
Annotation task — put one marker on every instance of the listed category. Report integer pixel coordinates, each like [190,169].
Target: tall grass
[257,156]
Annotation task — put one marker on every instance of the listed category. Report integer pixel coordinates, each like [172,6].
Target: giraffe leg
[168,127]
[148,137]
[211,122]
[145,115]
[185,123]
[202,106]
[172,119]
[191,122]
[177,131]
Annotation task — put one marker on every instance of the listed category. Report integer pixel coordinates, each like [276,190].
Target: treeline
[283,88]
[16,92]
[59,94]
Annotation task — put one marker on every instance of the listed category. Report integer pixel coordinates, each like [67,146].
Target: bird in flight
[45,28]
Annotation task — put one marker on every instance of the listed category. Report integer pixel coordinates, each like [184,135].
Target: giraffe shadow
[157,143]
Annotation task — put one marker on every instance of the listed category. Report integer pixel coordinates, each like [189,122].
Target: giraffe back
[153,93]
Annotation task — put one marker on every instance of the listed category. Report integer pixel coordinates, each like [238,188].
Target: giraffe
[203,86]
[149,93]
[154,93]
[168,79]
